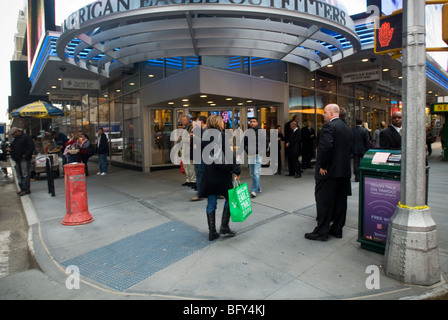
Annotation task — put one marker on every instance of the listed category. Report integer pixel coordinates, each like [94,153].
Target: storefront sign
[361,76]
[81,84]
[440,108]
[381,198]
[64,96]
[107,7]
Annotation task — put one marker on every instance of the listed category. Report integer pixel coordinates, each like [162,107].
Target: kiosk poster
[381,198]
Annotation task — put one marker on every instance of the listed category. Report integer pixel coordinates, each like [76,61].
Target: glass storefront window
[115,89]
[325,82]
[235,64]
[301,103]
[115,132]
[322,100]
[300,76]
[346,90]
[269,69]
[151,71]
[161,144]
[131,84]
[267,117]
[132,127]
[349,106]
[103,116]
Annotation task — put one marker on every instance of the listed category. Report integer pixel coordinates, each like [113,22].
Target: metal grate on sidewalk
[129,261]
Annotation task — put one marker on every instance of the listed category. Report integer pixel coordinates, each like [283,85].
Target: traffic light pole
[411,249]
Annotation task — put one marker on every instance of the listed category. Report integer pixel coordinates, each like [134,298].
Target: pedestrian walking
[308,137]
[360,145]
[333,171]
[3,157]
[254,154]
[280,138]
[102,149]
[22,149]
[84,146]
[294,145]
[71,152]
[288,132]
[198,145]
[217,178]
[190,173]
[376,135]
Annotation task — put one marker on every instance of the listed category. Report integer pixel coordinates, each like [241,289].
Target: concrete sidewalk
[148,241]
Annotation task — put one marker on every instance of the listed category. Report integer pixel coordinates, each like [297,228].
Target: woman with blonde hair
[217,178]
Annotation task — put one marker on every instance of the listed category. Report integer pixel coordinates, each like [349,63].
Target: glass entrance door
[162,125]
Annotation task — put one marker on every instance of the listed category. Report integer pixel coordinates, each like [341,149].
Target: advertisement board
[381,198]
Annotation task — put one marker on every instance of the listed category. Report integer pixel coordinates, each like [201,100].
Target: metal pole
[411,249]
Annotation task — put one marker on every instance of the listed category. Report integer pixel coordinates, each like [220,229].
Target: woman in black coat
[217,178]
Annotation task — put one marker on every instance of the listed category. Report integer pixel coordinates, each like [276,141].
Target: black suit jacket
[360,140]
[390,139]
[295,142]
[333,151]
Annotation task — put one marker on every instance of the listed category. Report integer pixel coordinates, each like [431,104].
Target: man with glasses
[390,138]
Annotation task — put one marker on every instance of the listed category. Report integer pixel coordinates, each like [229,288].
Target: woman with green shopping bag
[217,178]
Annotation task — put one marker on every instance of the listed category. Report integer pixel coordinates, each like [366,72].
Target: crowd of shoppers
[333,148]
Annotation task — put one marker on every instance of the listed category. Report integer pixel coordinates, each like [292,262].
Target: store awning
[108,35]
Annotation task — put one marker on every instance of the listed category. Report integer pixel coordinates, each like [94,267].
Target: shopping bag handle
[236,182]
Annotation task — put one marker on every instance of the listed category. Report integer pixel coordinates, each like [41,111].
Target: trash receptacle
[379,195]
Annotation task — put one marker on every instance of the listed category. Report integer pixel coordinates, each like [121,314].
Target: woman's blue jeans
[212,203]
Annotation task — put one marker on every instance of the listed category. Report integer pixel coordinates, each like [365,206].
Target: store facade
[155,61]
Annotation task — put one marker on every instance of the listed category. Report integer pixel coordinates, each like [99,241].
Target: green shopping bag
[239,201]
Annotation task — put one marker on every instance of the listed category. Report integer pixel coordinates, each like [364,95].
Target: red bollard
[76,196]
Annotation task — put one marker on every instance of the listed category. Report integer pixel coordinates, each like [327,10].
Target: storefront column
[146,125]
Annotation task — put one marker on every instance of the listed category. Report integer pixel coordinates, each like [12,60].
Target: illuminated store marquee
[107,7]
[117,33]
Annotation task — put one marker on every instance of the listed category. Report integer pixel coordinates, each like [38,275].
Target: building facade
[135,68]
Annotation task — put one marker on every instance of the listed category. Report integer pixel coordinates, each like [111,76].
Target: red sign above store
[389,34]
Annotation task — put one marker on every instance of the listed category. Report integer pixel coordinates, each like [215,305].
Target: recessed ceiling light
[204,96]
[185,100]
[229,99]
[365,60]
[330,66]
[385,69]
[151,76]
[170,103]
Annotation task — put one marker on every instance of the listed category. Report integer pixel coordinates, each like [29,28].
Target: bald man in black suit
[333,172]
